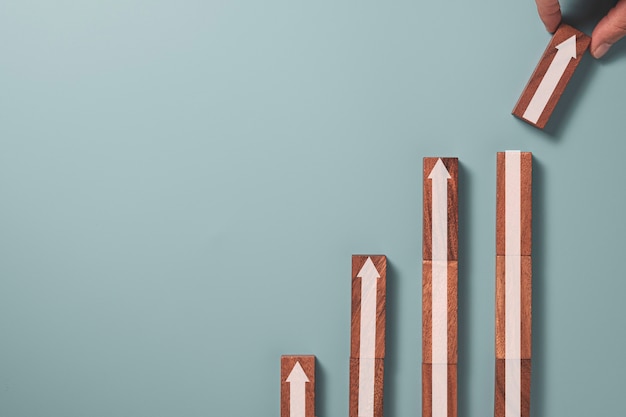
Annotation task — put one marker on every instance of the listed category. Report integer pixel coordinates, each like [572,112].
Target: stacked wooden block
[439,287]
[367,335]
[513,283]
[297,386]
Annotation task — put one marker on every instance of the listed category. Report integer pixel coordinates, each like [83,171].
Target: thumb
[609,30]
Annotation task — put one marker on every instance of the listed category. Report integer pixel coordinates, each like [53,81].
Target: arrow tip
[568,46]
[297,374]
[368,271]
[439,171]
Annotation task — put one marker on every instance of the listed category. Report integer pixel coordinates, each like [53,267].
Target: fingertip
[552,25]
[609,30]
[600,50]
[550,14]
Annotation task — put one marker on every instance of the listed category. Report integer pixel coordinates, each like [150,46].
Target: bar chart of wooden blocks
[440,271]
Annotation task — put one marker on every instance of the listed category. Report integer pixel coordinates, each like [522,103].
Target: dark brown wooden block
[452,308]
[366,394]
[525,200]
[370,306]
[521,386]
[525,307]
[297,376]
[554,71]
[448,228]
[427,389]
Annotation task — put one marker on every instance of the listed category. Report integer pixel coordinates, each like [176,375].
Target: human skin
[609,30]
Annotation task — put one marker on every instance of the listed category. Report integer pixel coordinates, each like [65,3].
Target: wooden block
[441,213]
[512,393]
[366,387]
[297,386]
[548,81]
[445,378]
[450,306]
[514,203]
[369,289]
[521,307]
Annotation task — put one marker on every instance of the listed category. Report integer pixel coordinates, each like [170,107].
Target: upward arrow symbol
[439,176]
[367,349]
[566,51]
[297,380]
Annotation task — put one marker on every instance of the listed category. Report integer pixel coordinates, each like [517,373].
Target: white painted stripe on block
[439,176]
[369,279]
[512,283]
[367,349]
[297,399]
[439,312]
[367,370]
[439,320]
[440,390]
[566,51]
[512,388]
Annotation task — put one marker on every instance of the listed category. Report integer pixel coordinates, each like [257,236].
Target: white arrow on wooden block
[367,349]
[566,51]
[297,399]
[439,176]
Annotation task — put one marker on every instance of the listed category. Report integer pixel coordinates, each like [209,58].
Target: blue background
[183,184]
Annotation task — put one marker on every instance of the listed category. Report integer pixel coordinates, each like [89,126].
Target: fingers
[609,30]
[550,13]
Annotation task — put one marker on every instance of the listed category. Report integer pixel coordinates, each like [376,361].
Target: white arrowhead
[297,378]
[439,171]
[297,375]
[368,271]
[439,176]
[566,51]
[369,275]
[568,47]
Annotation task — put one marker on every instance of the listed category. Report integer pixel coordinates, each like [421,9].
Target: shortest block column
[297,386]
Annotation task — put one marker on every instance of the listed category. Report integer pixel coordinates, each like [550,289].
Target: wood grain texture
[427,379]
[526,180]
[525,311]
[287,363]
[380,262]
[452,165]
[563,33]
[524,389]
[427,311]
[379,366]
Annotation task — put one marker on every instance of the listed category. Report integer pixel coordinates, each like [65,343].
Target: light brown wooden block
[368,396]
[554,71]
[525,303]
[525,192]
[427,386]
[523,388]
[297,376]
[431,178]
[370,306]
[452,298]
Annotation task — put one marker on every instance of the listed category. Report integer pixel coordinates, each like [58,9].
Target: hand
[608,31]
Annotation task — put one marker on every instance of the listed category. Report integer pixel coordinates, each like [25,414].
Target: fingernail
[601,50]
